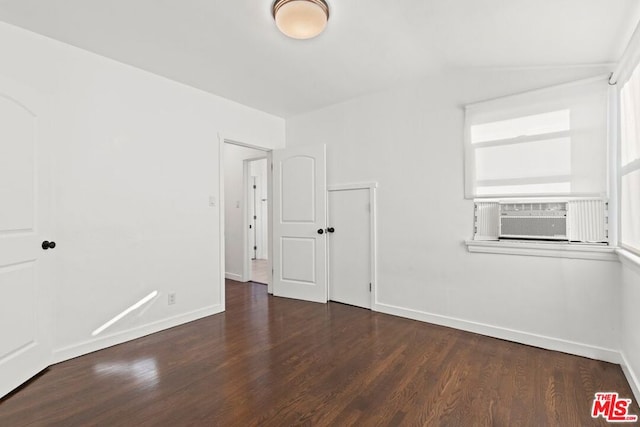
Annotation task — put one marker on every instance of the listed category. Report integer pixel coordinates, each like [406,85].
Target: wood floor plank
[272,361]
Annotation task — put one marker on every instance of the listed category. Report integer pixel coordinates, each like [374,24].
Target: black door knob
[331,230]
[320,231]
[48,245]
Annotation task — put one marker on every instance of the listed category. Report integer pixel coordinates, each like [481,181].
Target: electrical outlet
[171,298]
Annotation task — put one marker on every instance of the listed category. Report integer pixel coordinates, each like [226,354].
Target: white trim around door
[223,139]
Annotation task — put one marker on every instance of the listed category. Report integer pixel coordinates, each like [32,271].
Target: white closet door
[350,246]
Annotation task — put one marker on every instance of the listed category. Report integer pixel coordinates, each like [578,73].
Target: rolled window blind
[548,142]
[630,163]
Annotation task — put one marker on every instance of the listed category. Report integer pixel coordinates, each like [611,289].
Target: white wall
[410,140]
[630,320]
[136,162]
[234,157]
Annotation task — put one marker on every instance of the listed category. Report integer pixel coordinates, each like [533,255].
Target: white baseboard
[89,346]
[632,378]
[527,338]
[233,276]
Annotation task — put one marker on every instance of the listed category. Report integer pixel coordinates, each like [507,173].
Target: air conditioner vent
[516,227]
[533,209]
[568,220]
[533,221]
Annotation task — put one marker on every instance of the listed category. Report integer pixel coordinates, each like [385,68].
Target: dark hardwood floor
[277,362]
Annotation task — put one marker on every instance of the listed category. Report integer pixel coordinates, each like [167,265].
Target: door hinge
[255,217]
[369,287]
[255,248]
[254,187]
[271,166]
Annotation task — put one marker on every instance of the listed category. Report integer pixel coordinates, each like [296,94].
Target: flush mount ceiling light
[301,19]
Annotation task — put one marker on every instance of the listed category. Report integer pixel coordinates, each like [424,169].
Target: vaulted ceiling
[232,48]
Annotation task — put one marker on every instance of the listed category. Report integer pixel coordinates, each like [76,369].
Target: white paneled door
[299,225]
[350,246]
[24,201]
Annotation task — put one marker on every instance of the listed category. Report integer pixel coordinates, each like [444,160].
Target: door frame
[222,140]
[372,187]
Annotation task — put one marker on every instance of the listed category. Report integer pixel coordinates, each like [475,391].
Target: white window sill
[629,259]
[544,249]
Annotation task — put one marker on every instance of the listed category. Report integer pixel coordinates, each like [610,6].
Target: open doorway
[246,189]
[258,216]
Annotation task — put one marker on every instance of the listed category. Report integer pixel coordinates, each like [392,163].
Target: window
[630,163]
[536,165]
[549,142]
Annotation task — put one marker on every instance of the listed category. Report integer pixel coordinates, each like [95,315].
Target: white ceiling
[233,49]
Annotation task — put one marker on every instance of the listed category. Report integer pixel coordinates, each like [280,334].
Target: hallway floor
[260,271]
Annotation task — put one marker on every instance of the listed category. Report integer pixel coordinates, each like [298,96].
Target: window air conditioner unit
[569,220]
[540,221]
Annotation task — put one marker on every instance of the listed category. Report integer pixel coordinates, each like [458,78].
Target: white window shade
[630,210]
[630,163]
[549,142]
[532,125]
[630,121]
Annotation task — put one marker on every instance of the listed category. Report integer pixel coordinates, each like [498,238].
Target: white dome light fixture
[301,19]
